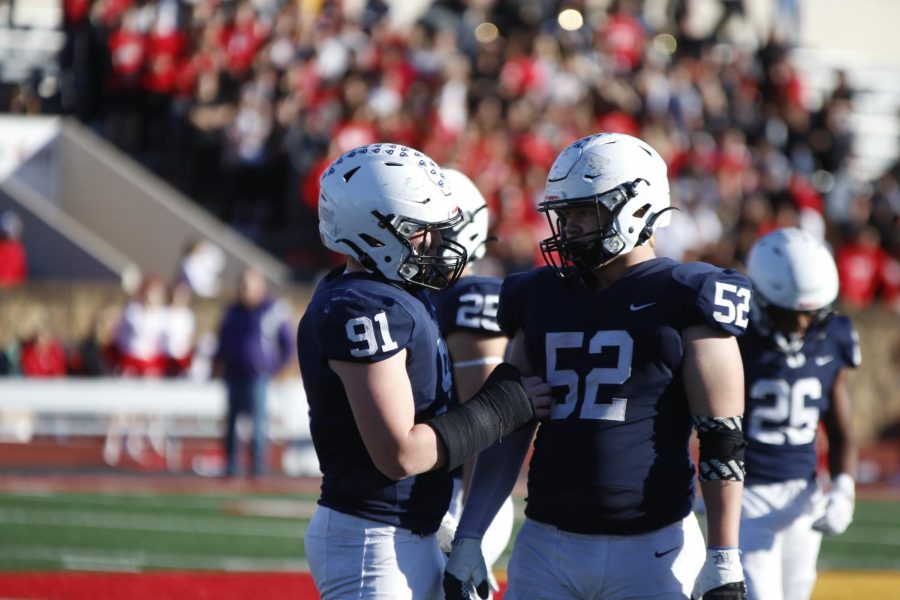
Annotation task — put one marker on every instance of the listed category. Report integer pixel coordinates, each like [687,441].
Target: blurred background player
[467,316]
[255,342]
[639,349]
[378,379]
[796,354]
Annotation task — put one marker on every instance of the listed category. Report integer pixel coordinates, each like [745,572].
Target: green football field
[264,532]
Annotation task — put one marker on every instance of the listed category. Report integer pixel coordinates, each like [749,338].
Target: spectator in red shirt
[13,260]
[860,264]
[623,35]
[40,353]
[890,275]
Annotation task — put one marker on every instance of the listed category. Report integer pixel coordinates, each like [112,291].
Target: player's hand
[839,504]
[465,570]
[446,532]
[721,577]
[541,396]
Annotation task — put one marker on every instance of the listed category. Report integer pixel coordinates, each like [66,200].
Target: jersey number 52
[590,408]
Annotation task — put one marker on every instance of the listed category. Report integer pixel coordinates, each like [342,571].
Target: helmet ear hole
[371,241]
[350,174]
[639,213]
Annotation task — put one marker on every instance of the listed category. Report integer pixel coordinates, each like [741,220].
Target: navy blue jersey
[613,457]
[470,305]
[357,317]
[787,394]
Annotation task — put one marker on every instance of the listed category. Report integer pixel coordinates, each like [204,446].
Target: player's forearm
[495,474]
[723,512]
[842,456]
[421,452]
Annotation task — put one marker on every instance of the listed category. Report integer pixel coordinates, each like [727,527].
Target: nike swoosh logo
[635,307]
[658,554]
[824,360]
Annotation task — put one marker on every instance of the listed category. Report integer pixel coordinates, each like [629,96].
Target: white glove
[839,505]
[721,575]
[465,570]
[446,532]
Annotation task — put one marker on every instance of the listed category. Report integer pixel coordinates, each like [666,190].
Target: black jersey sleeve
[360,327]
[510,309]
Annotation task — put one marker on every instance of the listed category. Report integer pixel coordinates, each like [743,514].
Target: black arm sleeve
[499,408]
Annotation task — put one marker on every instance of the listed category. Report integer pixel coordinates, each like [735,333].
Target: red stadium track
[132,483]
[156,586]
[161,586]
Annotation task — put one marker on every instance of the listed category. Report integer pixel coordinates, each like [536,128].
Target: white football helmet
[618,172]
[792,270]
[375,198]
[472,231]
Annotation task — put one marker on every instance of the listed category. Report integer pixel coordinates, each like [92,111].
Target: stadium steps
[875,106]
[95,197]
[860,39]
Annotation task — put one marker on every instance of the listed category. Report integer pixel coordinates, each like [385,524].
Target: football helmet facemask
[472,231]
[624,180]
[792,271]
[378,203]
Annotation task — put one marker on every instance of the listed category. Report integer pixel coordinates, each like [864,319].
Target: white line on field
[223,525]
[78,559]
[253,505]
[870,535]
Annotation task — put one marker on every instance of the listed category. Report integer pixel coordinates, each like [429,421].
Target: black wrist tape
[721,448]
[499,408]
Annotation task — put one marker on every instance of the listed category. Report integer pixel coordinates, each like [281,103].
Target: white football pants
[549,564]
[778,544]
[350,557]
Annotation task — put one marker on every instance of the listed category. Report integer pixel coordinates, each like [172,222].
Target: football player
[639,350]
[796,355]
[467,316]
[377,377]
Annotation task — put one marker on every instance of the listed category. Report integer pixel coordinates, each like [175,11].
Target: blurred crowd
[241,104]
[152,332]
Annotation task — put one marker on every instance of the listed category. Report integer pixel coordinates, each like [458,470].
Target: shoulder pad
[721,296]
[512,294]
[846,339]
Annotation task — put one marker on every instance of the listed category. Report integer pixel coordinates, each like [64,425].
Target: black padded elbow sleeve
[721,448]
[499,408]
